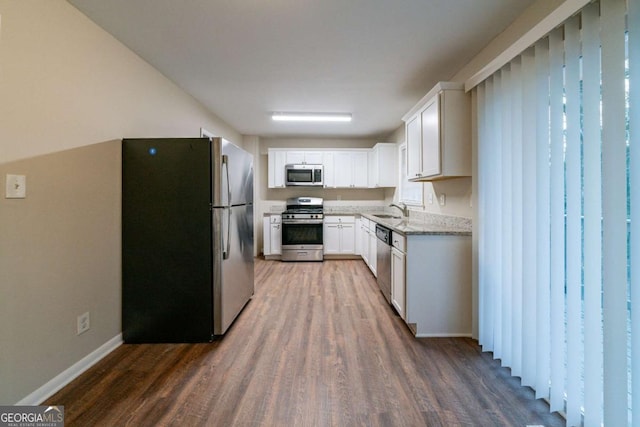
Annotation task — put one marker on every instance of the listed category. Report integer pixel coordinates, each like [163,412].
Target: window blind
[558,217]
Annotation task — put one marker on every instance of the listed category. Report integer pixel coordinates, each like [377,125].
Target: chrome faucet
[403,208]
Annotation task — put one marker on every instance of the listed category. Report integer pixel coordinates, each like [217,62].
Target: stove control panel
[301,216]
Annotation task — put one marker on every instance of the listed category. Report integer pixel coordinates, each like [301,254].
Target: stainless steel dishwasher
[384,260]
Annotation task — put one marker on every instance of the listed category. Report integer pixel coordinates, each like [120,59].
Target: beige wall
[68,93]
[59,257]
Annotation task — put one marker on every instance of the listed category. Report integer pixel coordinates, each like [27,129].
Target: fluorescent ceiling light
[311,117]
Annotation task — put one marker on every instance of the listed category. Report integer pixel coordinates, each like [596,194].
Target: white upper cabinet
[277,160]
[350,169]
[328,169]
[438,131]
[383,170]
[304,157]
[431,153]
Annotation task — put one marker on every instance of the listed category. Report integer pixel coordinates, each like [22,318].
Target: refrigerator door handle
[225,165]
[227,247]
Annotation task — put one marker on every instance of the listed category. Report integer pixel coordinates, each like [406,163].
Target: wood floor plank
[318,345]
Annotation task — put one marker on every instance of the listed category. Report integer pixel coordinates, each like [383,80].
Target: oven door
[296,233]
[302,241]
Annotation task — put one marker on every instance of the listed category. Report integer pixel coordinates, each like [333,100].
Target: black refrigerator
[187,238]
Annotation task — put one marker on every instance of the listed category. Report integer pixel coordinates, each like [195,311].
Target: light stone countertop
[416,223]
[409,226]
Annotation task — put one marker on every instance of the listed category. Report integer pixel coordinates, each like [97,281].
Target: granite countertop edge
[415,227]
[433,224]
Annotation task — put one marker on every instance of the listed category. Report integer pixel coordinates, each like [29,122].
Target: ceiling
[243,59]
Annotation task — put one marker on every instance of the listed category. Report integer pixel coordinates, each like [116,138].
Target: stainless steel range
[302,224]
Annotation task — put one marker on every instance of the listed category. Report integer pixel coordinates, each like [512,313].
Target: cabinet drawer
[399,241]
[365,222]
[339,219]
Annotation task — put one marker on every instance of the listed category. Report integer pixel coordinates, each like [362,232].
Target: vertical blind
[558,232]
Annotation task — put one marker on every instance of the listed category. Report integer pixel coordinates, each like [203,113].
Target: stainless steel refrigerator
[187,238]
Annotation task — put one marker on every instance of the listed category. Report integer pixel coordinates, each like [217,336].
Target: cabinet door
[360,167]
[276,235]
[348,238]
[414,148]
[266,235]
[276,239]
[276,169]
[373,169]
[398,289]
[430,117]
[331,238]
[295,157]
[358,236]
[328,170]
[386,165]
[373,250]
[313,157]
[343,170]
[302,157]
[364,243]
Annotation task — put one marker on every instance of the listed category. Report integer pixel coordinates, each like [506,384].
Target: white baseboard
[71,373]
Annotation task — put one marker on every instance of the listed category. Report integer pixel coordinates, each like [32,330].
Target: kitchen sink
[386,216]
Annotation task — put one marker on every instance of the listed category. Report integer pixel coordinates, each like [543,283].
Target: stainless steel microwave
[304,175]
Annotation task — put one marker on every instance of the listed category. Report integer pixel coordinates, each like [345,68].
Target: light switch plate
[16,187]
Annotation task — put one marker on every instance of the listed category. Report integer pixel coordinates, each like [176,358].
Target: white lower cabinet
[339,235]
[364,239]
[368,243]
[438,285]
[272,236]
[398,284]
[373,249]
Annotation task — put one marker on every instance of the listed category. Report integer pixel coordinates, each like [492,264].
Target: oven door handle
[302,221]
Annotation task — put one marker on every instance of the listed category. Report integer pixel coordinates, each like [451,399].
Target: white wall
[68,93]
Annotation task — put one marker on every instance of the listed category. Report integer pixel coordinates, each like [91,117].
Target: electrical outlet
[443,200]
[16,187]
[84,322]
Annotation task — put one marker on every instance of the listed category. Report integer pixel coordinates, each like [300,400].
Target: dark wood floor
[317,346]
